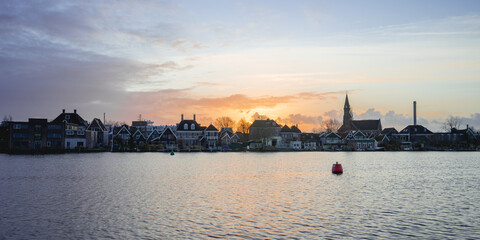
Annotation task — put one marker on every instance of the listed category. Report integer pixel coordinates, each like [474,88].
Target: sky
[293,61]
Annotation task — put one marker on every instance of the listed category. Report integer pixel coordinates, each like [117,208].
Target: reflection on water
[240,195]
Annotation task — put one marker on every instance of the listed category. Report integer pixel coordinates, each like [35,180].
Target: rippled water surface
[240,195]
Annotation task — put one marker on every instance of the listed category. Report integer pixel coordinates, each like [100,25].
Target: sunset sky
[290,60]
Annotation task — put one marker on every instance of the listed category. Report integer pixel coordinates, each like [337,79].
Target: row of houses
[69,131]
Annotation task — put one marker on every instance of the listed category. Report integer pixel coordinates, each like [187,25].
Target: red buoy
[337,168]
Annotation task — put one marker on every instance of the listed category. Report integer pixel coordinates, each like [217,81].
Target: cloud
[106,27]
[256,116]
[320,96]
[176,100]
[300,119]
[393,119]
[333,114]
[207,84]
[171,65]
[472,121]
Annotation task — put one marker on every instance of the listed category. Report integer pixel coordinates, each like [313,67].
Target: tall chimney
[415,113]
[193,117]
[63,111]
[182,116]
[74,110]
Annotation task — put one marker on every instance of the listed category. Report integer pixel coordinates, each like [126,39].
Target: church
[369,127]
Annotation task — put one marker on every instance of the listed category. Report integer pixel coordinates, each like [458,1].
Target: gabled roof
[98,124]
[359,132]
[367,125]
[181,125]
[389,131]
[343,135]
[332,134]
[416,129]
[166,130]
[70,118]
[462,131]
[123,128]
[285,129]
[142,137]
[295,129]
[264,123]
[211,128]
[382,138]
[227,129]
[153,132]
[138,132]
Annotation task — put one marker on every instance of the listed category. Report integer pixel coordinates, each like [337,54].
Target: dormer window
[192,126]
[185,126]
[67,116]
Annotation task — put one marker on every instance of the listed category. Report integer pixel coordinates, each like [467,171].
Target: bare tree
[331,125]
[452,122]
[243,126]
[224,122]
[8,118]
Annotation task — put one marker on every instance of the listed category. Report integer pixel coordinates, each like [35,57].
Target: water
[391,195]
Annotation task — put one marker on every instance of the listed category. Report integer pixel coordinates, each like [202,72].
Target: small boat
[172,153]
[337,168]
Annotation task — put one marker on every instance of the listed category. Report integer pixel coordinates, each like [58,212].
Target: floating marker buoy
[337,168]
[172,153]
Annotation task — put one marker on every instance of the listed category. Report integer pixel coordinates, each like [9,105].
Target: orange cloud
[168,104]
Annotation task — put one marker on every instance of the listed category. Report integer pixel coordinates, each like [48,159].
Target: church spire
[347,112]
[347,104]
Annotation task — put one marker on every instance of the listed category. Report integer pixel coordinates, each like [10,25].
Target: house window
[137,137]
[69,132]
[38,127]
[20,135]
[49,144]
[54,135]
[17,126]
[80,132]
[67,116]
[185,126]
[56,127]
[192,126]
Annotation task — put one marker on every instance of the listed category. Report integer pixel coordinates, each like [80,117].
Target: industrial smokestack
[415,113]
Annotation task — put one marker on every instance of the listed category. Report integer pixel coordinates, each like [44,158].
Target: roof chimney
[415,113]
[193,117]
[63,111]
[74,110]
[182,116]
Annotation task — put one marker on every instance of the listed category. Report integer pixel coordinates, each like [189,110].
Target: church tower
[347,112]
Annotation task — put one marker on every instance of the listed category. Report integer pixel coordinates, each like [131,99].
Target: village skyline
[292,61]
[303,121]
